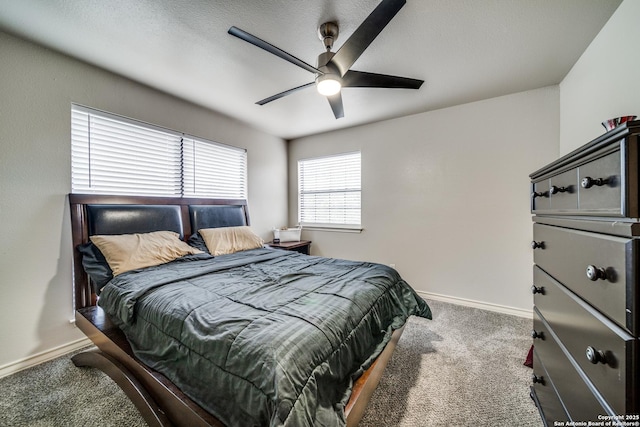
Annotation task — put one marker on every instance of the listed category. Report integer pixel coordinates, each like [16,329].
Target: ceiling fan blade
[336,105]
[362,37]
[363,79]
[285,93]
[235,31]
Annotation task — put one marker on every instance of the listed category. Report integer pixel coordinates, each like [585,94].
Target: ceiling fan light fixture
[333,69]
[328,84]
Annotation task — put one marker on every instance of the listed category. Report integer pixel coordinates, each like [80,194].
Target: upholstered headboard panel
[211,216]
[128,219]
[105,214]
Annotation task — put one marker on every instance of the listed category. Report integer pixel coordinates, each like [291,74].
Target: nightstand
[301,246]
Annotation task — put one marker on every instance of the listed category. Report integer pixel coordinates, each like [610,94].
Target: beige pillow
[125,252]
[227,240]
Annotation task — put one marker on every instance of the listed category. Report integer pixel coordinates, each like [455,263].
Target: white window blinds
[329,190]
[115,155]
[213,170]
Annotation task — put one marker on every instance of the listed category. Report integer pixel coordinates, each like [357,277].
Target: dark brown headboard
[102,214]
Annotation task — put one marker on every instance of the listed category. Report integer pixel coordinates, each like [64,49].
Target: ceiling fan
[333,69]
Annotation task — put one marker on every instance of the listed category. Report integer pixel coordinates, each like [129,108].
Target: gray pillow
[95,265]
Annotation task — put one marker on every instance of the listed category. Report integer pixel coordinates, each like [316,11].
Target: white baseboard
[36,359]
[478,304]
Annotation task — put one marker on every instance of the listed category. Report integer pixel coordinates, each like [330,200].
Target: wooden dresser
[586,246]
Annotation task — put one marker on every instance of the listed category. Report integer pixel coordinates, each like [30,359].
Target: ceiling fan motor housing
[329,81]
[325,65]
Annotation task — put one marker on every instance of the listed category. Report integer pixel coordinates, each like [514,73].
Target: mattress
[262,337]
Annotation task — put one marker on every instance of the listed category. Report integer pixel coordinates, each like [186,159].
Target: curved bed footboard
[135,391]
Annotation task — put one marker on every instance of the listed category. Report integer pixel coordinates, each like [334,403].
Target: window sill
[332,228]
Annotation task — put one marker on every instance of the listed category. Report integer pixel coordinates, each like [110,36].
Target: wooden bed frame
[159,401]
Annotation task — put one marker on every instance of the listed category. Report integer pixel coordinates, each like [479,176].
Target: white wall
[37,87]
[446,194]
[604,83]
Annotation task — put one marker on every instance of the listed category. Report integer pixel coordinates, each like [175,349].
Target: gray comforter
[262,337]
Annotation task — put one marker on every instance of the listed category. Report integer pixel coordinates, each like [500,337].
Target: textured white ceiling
[465,50]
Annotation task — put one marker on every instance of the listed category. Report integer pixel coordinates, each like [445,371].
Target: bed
[335,323]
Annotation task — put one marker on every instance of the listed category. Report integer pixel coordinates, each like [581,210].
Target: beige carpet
[463,368]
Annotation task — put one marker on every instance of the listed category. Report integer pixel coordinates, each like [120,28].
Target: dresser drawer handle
[537,290]
[594,273]
[556,190]
[539,194]
[537,379]
[535,334]
[595,356]
[537,245]
[589,182]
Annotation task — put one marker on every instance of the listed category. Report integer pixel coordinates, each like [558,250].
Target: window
[213,170]
[329,191]
[115,155]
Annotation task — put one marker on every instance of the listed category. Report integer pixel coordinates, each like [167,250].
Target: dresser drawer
[546,396]
[599,186]
[579,401]
[540,197]
[558,193]
[603,351]
[563,191]
[598,268]
[593,186]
